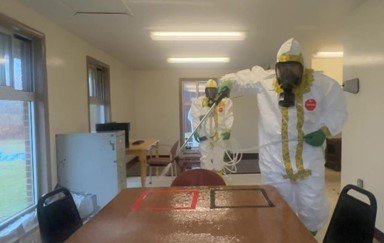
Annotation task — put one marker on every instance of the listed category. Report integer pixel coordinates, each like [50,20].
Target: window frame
[92,62]
[38,96]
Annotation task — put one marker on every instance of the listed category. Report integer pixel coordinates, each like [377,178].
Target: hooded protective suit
[293,166]
[217,127]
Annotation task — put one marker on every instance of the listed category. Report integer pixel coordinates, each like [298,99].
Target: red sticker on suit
[310,104]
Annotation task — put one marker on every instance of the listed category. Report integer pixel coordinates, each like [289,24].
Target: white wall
[332,67]
[157,106]
[363,134]
[67,81]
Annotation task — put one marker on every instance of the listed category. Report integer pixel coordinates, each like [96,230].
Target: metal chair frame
[159,161]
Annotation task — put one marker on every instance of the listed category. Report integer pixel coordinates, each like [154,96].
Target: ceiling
[317,24]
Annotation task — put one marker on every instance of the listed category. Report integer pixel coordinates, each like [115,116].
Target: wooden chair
[198,177]
[164,161]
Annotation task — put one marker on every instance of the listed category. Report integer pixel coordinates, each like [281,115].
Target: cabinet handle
[112,145]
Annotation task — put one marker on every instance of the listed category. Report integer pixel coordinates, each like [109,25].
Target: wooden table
[195,214]
[141,150]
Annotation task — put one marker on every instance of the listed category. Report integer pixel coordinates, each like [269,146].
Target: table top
[195,214]
[146,145]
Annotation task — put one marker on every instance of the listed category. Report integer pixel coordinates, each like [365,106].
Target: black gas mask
[289,75]
[211,93]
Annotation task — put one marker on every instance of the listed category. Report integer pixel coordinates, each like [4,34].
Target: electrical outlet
[360,183]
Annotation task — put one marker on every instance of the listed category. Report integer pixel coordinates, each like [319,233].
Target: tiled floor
[332,179]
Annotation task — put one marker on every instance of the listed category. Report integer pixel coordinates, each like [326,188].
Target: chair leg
[150,174]
[175,169]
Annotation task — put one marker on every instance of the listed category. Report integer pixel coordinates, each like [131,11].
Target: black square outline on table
[213,198]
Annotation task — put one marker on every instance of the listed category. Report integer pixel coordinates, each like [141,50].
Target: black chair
[57,215]
[353,220]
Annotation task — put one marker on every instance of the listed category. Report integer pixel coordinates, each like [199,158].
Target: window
[98,93]
[190,89]
[23,129]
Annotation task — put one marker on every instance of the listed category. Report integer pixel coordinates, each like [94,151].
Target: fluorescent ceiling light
[198,36]
[329,54]
[198,59]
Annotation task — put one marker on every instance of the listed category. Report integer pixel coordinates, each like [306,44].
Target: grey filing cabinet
[93,163]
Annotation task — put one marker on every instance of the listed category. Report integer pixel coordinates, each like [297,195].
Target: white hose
[235,154]
[231,146]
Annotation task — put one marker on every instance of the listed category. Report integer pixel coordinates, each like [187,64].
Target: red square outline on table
[136,206]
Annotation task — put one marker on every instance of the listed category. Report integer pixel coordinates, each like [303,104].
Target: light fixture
[329,54]
[198,36]
[198,59]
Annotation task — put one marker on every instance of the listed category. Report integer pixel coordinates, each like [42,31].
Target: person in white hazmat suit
[214,129]
[298,108]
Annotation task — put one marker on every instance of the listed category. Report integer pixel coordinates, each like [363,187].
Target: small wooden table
[141,150]
[195,214]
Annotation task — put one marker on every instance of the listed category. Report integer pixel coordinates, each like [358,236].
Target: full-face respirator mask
[211,93]
[289,75]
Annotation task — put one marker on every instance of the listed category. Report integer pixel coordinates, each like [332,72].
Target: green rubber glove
[224,85]
[225,135]
[316,138]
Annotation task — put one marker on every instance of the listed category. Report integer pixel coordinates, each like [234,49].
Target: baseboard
[378,235]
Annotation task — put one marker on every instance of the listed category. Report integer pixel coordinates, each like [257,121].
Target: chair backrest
[174,150]
[198,177]
[353,220]
[57,215]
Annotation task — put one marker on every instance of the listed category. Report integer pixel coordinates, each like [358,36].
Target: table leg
[143,167]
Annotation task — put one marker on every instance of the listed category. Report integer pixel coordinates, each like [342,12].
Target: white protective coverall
[212,130]
[294,167]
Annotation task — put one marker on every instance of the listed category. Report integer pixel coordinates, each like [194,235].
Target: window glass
[17,126]
[5,59]
[91,77]
[98,87]
[191,89]
[22,65]
[97,115]
[16,164]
